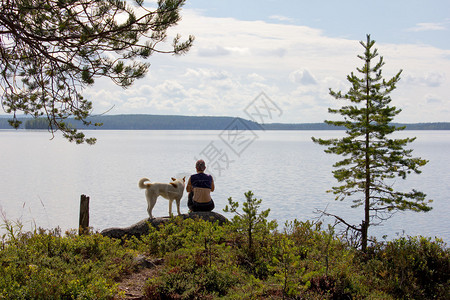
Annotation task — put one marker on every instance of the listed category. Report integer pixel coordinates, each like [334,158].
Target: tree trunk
[365,224]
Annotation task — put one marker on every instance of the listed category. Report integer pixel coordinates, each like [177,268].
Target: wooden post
[84,215]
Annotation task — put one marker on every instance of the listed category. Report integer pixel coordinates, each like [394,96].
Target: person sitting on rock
[199,187]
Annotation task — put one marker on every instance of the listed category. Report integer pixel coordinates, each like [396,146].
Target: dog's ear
[184,179]
[173,184]
[173,179]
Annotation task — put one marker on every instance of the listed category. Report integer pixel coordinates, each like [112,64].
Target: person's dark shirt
[201,180]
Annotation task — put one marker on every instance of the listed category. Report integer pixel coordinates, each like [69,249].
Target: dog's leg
[151,201]
[178,206]
[149,210]
[170,207]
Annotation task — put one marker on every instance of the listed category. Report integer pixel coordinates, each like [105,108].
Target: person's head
[200,165]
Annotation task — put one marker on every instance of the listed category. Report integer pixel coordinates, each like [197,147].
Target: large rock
[142,227]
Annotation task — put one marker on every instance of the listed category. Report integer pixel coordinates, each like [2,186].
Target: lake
[42,179]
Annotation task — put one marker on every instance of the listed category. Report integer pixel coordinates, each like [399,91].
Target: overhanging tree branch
[51,49]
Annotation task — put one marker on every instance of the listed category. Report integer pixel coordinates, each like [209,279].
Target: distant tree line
[37,123]
[162,122]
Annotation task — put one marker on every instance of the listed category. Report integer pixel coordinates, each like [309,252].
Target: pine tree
[51,49]
[371,158]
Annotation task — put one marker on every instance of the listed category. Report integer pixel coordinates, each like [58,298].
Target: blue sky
[395,21]
[293,51]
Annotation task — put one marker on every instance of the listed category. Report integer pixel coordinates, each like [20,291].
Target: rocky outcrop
[142,227]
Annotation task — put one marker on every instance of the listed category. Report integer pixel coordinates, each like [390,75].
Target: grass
[249,258]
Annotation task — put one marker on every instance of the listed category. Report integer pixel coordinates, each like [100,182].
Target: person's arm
[212,185]
[189,186]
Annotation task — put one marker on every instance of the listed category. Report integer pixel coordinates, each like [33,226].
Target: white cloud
[280,52]
[434,79]
[281,18]
[205,74]
[433,100]
[428,27]
[169,90]
[256,77]
[232,61]
[214,51]
[303,77]
[136,102]
[429,79]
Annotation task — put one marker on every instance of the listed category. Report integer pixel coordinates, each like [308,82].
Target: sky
[292,52]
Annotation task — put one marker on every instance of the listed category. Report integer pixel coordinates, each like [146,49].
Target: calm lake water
[42,179]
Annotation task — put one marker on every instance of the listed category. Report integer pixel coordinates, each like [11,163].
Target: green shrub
[202,268]
[251,233]
[245,259]
[412,268]
[43,265]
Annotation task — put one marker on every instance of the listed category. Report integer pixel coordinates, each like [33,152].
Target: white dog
[170,191]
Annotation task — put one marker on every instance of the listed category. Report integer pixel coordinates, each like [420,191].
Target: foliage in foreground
[44,264]
[202,260]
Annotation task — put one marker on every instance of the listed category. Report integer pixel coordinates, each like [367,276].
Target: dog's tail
[142,183]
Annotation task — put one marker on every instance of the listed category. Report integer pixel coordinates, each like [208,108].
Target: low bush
[245,259]
[203,267]
[412,268]
[45,264]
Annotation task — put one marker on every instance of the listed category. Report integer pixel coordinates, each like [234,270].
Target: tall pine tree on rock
[371,158]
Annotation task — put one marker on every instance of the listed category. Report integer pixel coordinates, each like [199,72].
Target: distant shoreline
[169,122]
